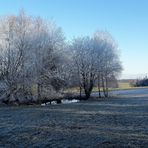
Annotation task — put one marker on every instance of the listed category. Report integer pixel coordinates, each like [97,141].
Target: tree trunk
[106,81]
[80,91]
[87,94]
[88,90]
[39,91]
[99,86]
[103,86]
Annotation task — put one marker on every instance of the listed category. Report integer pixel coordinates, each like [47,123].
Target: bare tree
[84,62]
[108,63]
[96,58]
[30,55]
[35,56]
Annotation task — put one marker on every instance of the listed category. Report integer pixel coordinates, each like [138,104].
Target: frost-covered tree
[84,63]
[36,62]
[94,59]
[31,55]
[14,46]
[107,62]
[48,52]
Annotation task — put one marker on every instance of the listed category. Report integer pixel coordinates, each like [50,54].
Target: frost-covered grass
[106,123]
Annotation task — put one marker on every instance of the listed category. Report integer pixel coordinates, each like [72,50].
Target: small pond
[64,101]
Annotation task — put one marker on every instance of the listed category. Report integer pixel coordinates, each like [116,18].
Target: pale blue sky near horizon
[126,20]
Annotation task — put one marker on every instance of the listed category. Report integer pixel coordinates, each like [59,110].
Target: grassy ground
[126,86]
[106,123]
[121,86]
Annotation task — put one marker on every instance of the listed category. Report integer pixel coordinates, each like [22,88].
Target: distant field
[127,85]
[122,85]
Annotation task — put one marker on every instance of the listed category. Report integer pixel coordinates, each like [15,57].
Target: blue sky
[126,20]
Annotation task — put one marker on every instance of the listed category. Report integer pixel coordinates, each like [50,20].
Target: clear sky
[126,20]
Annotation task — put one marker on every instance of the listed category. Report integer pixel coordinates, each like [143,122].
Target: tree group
[36,62]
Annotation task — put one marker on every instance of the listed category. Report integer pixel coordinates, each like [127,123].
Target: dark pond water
[64,101]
